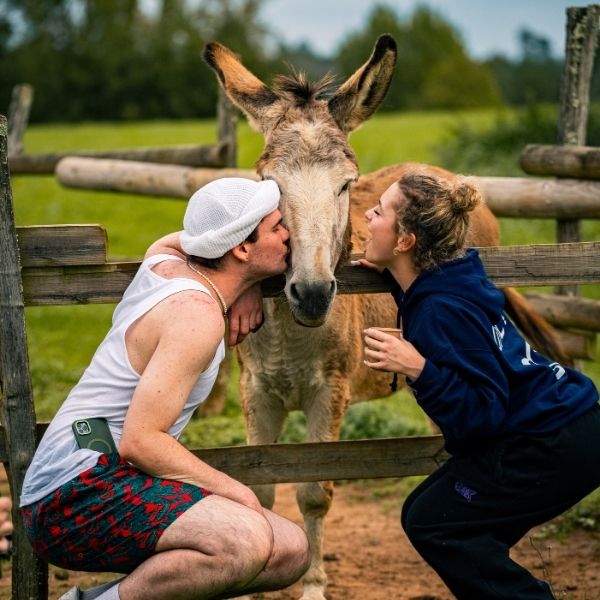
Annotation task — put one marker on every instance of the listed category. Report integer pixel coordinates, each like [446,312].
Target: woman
[522,430]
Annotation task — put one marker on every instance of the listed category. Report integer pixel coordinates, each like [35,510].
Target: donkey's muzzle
[310,302]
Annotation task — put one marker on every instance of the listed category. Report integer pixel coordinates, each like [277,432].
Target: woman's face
[381,224]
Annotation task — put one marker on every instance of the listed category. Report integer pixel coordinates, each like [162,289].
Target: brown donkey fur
[308,354]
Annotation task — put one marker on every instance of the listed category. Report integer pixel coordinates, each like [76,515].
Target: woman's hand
[386,352]
[245,315]
[363,262]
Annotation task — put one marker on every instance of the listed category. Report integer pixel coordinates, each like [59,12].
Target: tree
[458,82]
[431,57]
[533,77]
[113,59]
[357,47]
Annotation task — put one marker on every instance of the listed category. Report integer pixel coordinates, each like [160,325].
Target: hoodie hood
[463,279]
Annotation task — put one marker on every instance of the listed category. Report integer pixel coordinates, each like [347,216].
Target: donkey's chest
[289,363]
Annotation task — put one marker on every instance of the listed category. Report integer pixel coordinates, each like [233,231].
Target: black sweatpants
[465,517]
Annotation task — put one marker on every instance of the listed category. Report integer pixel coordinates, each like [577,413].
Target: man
[175,525]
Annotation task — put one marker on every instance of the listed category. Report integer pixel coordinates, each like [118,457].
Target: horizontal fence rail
[318,461]
[562,161]
[192,155]
[56,245]
[543,198]
[135,177]
[548,198]
[550,264]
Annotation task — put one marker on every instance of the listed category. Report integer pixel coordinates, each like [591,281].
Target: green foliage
[534,77]
[584,515]
[130,59]
[113,60]
[396,416]
[458,82]
[433,69]
[496,151]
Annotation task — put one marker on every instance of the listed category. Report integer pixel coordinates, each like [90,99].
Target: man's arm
[245,315]
[169,244]
[191,328]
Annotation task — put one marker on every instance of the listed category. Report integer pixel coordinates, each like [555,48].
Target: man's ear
[241,252]
[406,241]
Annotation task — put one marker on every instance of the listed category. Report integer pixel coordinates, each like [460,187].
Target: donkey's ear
[244,89]
[360,96]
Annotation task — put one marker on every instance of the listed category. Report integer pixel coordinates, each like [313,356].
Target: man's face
[270,251]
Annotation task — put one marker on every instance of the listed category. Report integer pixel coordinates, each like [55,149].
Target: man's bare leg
[217,549]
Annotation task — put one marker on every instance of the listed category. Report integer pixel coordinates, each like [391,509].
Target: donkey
[308,354]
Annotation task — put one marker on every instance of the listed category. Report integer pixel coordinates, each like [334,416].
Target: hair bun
[466,195]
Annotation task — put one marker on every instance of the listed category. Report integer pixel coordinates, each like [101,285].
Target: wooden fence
[54,265]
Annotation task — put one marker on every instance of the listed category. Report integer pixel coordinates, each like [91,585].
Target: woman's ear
[406,241]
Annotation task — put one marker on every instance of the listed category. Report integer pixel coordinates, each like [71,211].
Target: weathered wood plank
[580,49]
[534,265]
[506,265]
[319,461]
[92,284]
[561,161]
[506,196]
[567,311]
[358,459]
[18,117]
[55,245]
[579,345]
[29,573]
[191,155]
[542,198]
[227,116]
[133,177]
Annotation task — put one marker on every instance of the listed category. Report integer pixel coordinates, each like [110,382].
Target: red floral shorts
[108,518]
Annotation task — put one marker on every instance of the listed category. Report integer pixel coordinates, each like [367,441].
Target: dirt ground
[369,558]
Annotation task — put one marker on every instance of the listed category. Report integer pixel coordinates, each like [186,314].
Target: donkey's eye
[345,187]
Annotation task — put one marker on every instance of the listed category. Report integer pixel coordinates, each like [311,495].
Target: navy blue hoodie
[482,380]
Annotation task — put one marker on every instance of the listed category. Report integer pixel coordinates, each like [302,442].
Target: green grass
[62,340]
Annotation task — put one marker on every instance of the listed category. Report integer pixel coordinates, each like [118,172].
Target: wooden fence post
[29,572]
[227,127]
[581,40]
[18,117]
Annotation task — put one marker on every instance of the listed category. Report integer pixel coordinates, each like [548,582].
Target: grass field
[63,339]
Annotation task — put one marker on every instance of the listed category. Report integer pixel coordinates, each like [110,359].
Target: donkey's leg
[265,416]
[324,414]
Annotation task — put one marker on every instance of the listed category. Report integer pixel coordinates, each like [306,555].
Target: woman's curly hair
[437,212]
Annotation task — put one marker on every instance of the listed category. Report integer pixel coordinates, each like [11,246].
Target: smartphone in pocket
[94,434]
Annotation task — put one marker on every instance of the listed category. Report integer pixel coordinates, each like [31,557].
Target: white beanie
[224,212]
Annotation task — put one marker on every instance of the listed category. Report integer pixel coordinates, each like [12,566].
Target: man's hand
[245,315]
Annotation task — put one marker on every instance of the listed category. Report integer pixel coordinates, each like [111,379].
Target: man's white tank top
[107,385]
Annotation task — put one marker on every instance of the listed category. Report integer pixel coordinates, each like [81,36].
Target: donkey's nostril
[311,300]
[294,292]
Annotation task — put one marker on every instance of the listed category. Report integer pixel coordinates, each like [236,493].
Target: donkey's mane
[300,90]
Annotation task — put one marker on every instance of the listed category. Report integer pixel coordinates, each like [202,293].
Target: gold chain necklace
[212,285]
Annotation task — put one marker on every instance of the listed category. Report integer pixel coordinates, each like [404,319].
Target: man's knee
[296,555]
[246,550]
